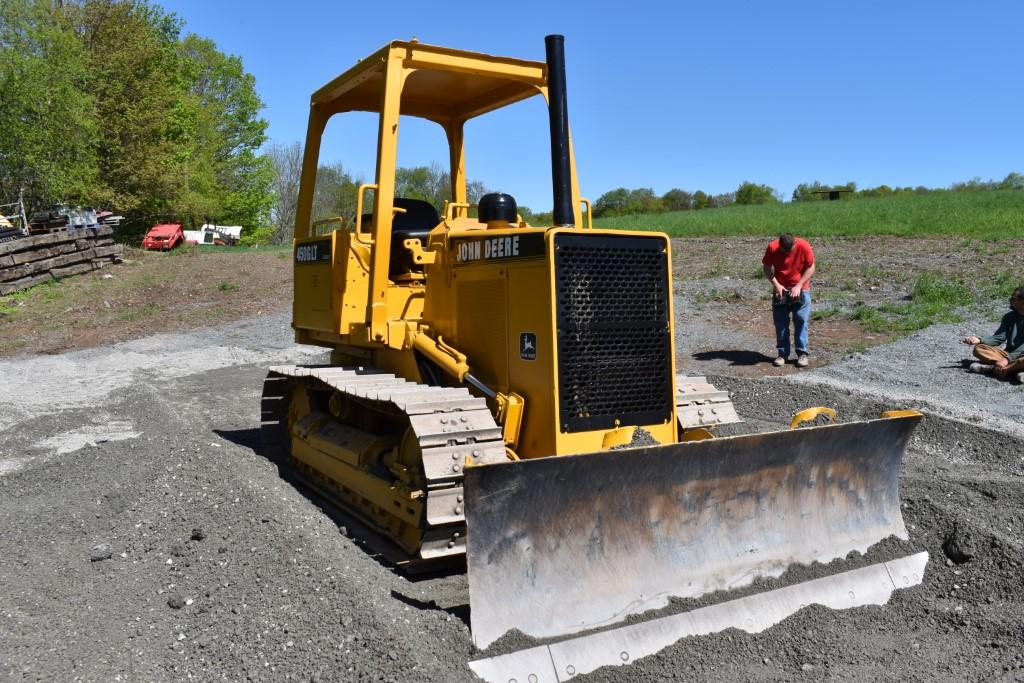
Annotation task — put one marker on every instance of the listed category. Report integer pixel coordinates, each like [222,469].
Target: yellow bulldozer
[507,392]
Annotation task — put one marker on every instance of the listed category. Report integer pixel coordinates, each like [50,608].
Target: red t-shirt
[789,267]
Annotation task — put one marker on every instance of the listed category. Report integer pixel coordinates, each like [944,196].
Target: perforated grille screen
[614,342]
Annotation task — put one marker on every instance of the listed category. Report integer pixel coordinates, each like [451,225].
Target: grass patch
[826,313]
[184,250]
[47,291]
[705,295]
[848,286]
[1000,286]
[931,289]
[871,272]
[137,313]
[968,215]
[933,300]
[226,286]
[870,318]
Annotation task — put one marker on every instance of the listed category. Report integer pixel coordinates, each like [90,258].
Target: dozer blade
[564,544]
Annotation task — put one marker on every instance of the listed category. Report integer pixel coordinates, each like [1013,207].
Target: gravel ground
[927,369]
[147,539]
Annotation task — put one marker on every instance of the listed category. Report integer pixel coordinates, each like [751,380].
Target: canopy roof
[442,84]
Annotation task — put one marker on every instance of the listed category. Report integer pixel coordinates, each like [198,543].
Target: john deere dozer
[508,392]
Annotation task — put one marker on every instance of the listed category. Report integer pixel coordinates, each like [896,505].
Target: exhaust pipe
[558,116]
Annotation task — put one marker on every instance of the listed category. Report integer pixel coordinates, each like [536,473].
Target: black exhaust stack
[558,115]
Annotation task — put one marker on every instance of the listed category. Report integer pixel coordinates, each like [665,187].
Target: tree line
[622,201]
[816,191]
[106,103]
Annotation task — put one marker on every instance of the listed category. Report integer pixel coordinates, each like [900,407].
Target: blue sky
[663,95]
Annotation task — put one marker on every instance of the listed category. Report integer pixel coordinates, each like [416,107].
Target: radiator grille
[614,341]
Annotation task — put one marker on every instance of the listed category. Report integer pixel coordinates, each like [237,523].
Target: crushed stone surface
[928,369]
[181,553]
[90,377]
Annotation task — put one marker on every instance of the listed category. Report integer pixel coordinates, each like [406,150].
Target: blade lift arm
[510,406]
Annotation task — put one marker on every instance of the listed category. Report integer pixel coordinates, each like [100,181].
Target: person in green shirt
[1008,363]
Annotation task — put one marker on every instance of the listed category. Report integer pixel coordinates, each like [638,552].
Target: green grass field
[980,215]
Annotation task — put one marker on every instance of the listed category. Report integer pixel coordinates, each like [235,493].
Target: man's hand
[795,291]
[971,340]
[779,290]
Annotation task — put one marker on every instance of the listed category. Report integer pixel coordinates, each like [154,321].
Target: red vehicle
[163,237]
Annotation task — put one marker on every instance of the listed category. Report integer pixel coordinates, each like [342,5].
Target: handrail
[590,217]
[340,220]
[449,209]
[359,204]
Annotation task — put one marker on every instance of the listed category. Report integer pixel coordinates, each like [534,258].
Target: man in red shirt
[789,263]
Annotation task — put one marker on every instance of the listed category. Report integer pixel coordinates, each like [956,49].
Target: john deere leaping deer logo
[528,346]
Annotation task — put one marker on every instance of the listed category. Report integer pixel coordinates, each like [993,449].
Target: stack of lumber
[31,260]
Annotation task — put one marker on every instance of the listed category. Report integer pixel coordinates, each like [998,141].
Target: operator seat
[419,219]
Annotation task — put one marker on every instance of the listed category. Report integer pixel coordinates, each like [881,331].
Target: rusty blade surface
[564,544]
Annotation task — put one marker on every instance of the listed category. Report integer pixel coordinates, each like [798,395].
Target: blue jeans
[801,312]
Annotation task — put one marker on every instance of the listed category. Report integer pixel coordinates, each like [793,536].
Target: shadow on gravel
[735,357]
[246,438]
[459,611]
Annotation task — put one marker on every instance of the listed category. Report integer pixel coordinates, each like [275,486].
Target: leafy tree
[432,184]
[880,191]
[222,154]
[975,184]
[134,68]
[612,203]
[105,104]
[701,200]
[336,193]
[48,126]
[810,192]
[643,200]
[1012,181]
[422,182]
[474,191]
[677,200]
[752,193]
[724,199]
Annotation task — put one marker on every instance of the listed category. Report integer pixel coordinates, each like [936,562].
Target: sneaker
[980,368]
[1020,378]
[802,361]
[779,362]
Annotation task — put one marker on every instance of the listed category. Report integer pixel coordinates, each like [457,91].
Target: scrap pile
[7,230]
[32,260]
[12,221]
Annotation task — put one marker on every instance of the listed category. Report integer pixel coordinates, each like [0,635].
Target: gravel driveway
[146,538]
